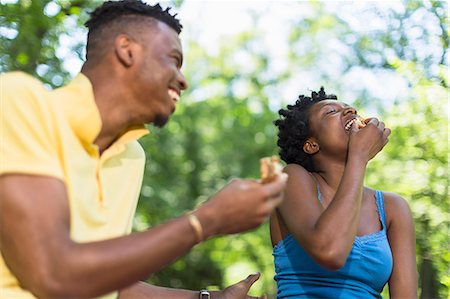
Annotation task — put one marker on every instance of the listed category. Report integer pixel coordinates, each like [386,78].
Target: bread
[360,122]
[270,168]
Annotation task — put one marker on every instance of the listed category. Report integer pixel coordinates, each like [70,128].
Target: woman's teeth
[349,124]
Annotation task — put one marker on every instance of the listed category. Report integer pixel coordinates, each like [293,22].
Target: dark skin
[133,84]
[327,231]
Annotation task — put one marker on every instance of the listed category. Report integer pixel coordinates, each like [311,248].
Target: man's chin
[160,121]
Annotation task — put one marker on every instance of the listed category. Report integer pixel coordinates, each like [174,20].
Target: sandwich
[270,168]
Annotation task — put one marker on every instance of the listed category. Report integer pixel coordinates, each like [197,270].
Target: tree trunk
[428,281]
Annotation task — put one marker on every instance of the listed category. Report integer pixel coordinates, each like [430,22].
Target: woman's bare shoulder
[397,208]
[295,169]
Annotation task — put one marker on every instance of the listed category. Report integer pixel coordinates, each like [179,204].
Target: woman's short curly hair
[293,128]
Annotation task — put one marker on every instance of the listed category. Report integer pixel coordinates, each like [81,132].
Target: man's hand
[240,206]
[143,290]
[42,206]
[238,290]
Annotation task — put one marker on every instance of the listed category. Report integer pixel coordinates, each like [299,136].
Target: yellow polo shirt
[51,133]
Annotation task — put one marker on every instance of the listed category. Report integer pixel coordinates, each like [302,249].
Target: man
[71,169]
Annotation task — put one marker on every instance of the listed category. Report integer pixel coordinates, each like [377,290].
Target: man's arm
[36,244]
[143,290]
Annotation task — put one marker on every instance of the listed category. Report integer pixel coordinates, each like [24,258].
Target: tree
[407,51]
[32,32]
[396,67]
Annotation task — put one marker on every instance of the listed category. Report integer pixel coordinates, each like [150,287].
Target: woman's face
[330,124]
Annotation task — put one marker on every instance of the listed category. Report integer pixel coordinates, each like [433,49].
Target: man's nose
[182,81]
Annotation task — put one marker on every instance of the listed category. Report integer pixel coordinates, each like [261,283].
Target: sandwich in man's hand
[270,169]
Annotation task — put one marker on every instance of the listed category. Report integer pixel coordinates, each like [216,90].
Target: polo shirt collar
[84,117]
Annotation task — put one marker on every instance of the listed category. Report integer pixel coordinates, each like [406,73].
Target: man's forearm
[143,290]
[125,260]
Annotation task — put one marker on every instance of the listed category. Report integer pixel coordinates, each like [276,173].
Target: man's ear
[311,146]
[124,49]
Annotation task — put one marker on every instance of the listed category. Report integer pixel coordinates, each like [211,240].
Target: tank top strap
[319,195]
[380,207]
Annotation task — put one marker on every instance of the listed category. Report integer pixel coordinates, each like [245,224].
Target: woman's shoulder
[295,169]
[397,207]
[300,181]
[298,173]
[393,200]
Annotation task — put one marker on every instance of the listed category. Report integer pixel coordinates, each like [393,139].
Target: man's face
[157,80]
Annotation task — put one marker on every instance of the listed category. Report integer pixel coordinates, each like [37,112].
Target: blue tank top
[364,275]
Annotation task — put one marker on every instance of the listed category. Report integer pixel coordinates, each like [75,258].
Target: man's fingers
[276,200]
[274,188]
[250,280]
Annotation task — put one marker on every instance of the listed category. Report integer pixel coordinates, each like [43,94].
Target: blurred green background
[244,61]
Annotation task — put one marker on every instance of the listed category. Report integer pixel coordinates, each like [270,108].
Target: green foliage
[32,33]
[415,165]
[205,144]
[223,124]
[234,128]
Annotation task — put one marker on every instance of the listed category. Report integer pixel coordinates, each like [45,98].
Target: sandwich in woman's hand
[360,122]
[270,169]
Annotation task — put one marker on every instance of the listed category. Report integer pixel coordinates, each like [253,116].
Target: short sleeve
[28,142]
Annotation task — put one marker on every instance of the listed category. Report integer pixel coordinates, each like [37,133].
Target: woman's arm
[402,239]
[326,234]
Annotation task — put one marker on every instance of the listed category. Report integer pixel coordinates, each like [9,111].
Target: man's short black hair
[293,128]
[115,17]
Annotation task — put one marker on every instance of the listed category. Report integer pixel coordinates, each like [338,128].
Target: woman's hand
[370,140]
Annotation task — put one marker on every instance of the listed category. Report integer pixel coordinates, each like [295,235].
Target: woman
[333,237]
